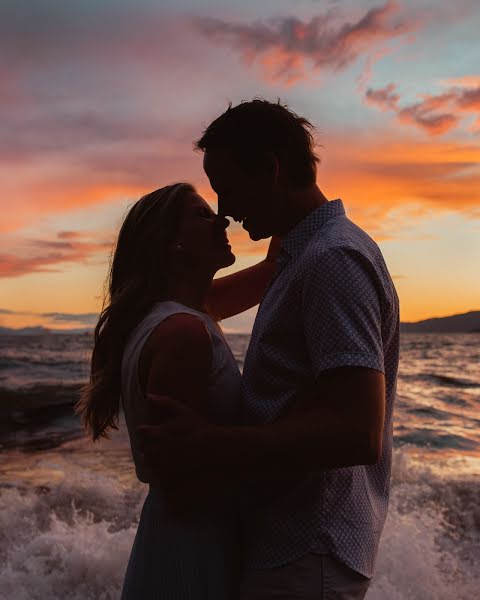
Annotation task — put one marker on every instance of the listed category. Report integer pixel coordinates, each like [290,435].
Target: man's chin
[256,236]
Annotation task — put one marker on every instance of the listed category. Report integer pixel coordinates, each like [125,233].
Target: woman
[158,335]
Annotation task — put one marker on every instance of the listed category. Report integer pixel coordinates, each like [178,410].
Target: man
[319,376]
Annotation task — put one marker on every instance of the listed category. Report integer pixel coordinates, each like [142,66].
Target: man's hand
[170,442]
[171,450]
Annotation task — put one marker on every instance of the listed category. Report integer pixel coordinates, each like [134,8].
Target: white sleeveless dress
[195,557]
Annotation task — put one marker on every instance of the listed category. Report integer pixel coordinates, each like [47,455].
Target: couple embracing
[273,484]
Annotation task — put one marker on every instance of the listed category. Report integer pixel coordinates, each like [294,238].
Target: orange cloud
[70,179]
[464,81]
[378,176]
[376,171]
[48,255]
[47,186]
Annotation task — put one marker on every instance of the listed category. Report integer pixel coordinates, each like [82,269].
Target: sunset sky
[101,101]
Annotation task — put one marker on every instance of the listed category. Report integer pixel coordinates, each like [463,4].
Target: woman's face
[202,236]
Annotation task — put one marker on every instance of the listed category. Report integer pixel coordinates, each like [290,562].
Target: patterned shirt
[331,303]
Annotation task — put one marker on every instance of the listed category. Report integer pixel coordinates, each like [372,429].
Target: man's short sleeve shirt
[332,303]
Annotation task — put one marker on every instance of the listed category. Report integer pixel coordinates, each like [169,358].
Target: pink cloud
[384,98]
[435,114]
[422,116]
[469,99]
[283,46]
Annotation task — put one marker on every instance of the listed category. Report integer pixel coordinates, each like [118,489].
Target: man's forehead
[217,164]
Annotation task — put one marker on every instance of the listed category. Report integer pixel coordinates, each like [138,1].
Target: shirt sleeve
[342,313]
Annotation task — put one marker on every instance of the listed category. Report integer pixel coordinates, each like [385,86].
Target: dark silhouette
[319,377]
[158,334]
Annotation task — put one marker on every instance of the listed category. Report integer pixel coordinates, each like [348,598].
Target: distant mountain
[40,331]
[464,323]
[23,331]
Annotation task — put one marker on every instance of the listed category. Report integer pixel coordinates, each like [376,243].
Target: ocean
[69,508]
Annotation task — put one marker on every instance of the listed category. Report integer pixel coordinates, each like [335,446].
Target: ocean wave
[72,540]
[453,381]
[56,360]
[430,547]
[454,400]
[438,379]
[431,412]
[30,401]
[434,439]
[69,542]
[41,394]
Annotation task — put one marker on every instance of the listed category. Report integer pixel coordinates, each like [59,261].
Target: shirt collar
[296,239]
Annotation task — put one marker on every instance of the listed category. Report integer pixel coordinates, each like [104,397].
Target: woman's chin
[230,258]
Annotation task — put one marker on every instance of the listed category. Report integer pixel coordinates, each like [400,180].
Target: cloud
[86,319]
[421,115]
[384,98]
[71,33]
[100,102]
[464,81]
[68,235]
[378,175]
[82,319]
[40,184]
[81,131]
[435,114]
[48,255]
[469,99]
[286,46]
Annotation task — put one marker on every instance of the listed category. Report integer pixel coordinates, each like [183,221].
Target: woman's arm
[176,361]
[232,294]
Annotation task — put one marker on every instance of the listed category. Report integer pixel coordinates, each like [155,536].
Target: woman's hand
[232,294]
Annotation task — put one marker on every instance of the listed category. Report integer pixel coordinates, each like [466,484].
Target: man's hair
[252,130]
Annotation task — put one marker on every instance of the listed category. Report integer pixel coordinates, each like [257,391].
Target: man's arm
[235,293]
[340,426]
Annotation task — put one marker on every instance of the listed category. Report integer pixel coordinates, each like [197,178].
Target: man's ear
[272,166]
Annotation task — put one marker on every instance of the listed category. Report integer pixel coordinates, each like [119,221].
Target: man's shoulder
[340,238]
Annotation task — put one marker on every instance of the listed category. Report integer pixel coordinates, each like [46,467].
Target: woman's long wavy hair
[137,279]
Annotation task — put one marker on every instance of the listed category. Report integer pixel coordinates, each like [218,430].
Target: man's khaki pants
[312,577]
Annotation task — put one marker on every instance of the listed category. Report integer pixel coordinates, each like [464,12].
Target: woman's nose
[222,221]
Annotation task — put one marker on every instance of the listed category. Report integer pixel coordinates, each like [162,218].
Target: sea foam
[72,540]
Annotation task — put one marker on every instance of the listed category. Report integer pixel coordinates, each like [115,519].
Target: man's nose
[223,207]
